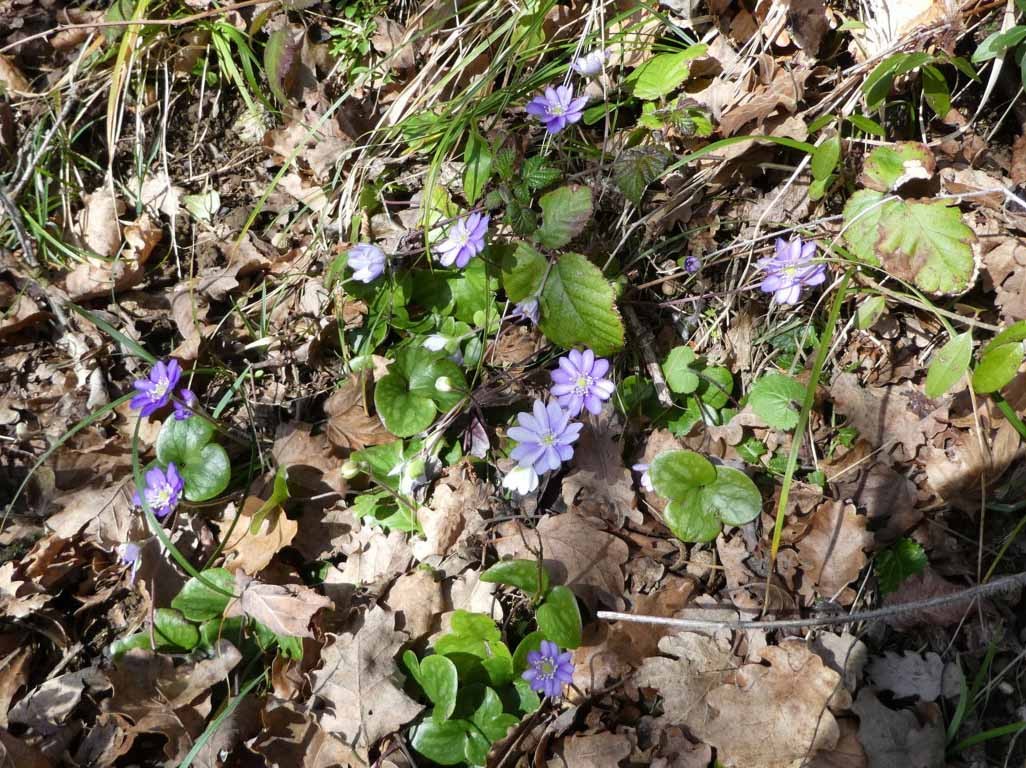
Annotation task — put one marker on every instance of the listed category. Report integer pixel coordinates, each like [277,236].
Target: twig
[983,590]
[644,339]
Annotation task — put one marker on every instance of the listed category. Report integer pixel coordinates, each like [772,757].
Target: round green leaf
[559,618]
[403,413]
[690,521]
[182,440]
[490,718]
[997,367]
[207,474]
[676,473]
[123,645]
[171,628]
[733,497]
[715,386]
[439,679]
[526,575]
[677,370]
[530,643]
[198,602]
[775,398]
[949,364]
[445,743]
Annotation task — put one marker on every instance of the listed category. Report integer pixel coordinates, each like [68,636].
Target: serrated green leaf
[662,74]
[949,364]
[522,272]
[776,398]
[559,618]
[504,163]
[578,307]
[638,167]
[675,474]
[526,575]
[680,378]
[537,174]
[565,213]
[198,602]
[887,168]
[902,559]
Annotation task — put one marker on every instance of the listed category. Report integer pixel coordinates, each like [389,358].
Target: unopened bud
[350,469]
[442,384]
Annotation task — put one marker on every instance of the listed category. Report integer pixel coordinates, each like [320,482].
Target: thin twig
[983,590]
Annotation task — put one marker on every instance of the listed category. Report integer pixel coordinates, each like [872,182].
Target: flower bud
[442,384]
[350,469]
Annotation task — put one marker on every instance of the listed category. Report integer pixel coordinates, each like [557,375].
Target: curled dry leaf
[454,512]
[955,469]
[908,674]
[832,553]
[285,610]
[601,486]
[913,740]
[361,684]
[98,277]
[596,750]
[252,552]
[351,425]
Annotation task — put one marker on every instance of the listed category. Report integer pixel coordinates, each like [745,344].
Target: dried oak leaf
[923,586]
[908,674]
[19,599]
[313,469]
[351,426]
[290,737]
[98,277]
[576,553]
[899,415]
[252,552]
[46,708]
[782,708]
[832,553]
[954,470]
[374,558]
[283,609]
[1004,270]
[700,665]
[595,750]
[361,683]
[899,738]
[887,498]
[601,486]
[454,512]
[418,600]
[847,754]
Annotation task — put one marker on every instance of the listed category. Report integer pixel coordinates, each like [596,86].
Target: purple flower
[185,403]
[789,269]
[548,670]
[544,439]
[578,382]
[590,64]
[528,309]
[155,390]
[367,262]
[557,108]
[464,241]
[129,554]
[163,490]
[692,264]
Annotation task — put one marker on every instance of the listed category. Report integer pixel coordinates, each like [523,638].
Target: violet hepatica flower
[789,269]
[579,382]
[155,390]
[557,108]
[528,309]
[464,241]
[591,63]
[367,262]
[185,403]
[548,670]
[692,264]
[645,479]
[129,554]
[163,490]
[544,438]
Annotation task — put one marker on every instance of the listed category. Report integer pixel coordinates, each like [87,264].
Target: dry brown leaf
[898,419]
[375,558]
[15,753]
[845,654]
[596,750]
[1004,272]
[908,674]
[783,709]
[17,311]
[350,424]
[576,553]
[920,587]
[18,598]
[832,553]
[601,486]
[361,683]
[954,470]
[104,514]
[700,664]
[418,602]
[252,552]
[454,512]
[899,738]
[195,678]
[46,708]
[285,609]
[313,468]
[98,277]
[14,674]
[784,92]
[887,498]
[678,751]
[1018,171]
[291,737]
[847,754]
[808,23]
[634,642]
[515,346]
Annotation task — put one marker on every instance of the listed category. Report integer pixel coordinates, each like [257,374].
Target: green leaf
[867,125]
[997,367]
[526,575]
[923,242]
[198,602]
[949,364]
[715,386]
[527,700]
[181,439]
[476,634]
[279,495]
[504,163]
[123,645]
[209,475]
[212,630]
[172,628]
[887,168]
[997,43]
[490,718]
[280,58]
[407,398]
[869,311]
[902,559]
[638,167]
[559,617]
[473,288]
[522,272]
[733,497]
[402,412]
[578,307]
[675,474]
[565,213]
[826,157]
[690,521]
[204,465]
[439,680]
[776,398]
[444,743]
[661,74]
[531,642]
[677,370]
[477,160]
[536,173]
[935,90]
